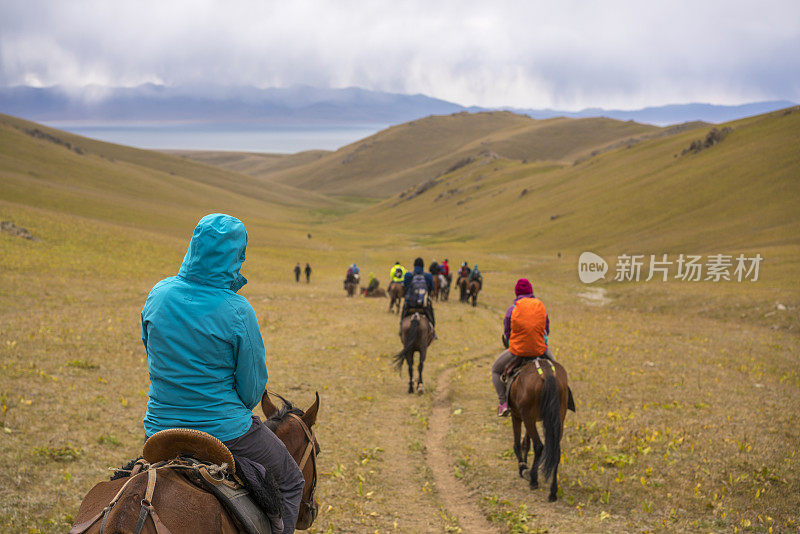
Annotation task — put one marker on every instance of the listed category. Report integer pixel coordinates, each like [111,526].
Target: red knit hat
[523,287]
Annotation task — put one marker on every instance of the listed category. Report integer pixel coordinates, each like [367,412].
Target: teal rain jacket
[204,348]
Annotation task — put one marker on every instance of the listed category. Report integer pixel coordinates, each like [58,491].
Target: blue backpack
[417,294]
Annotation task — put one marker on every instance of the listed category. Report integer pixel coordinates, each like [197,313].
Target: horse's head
[293,427]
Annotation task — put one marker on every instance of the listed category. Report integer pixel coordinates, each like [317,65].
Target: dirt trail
[455,497]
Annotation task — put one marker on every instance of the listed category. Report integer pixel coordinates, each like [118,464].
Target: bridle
[311,451]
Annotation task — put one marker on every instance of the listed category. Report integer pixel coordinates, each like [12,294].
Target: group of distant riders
[526,325]
[418,285]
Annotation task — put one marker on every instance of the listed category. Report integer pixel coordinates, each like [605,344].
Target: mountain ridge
[302,104]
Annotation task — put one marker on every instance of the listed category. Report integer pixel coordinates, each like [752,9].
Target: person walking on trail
[418,286]
[397,273]
[526,327]
[297,272]
[205,355]
[308,273]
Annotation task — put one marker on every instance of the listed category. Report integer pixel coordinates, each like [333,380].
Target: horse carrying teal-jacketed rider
[205,355]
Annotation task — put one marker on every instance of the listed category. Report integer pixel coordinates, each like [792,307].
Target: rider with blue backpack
[418,285]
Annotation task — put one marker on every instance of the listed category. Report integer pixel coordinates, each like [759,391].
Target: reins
[310,452]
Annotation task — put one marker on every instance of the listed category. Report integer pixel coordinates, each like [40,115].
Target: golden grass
[687,394]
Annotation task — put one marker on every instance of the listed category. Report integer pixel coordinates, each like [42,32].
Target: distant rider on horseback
[525,330]
[418,285]
[463,272]
[397,273]
[476,276]
[373,284]
[205,356]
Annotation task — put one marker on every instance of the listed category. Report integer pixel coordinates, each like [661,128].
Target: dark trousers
[261,445]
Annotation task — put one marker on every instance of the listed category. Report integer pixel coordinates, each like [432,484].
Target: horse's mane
[278,417]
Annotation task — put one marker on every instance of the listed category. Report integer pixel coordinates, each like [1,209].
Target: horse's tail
[408,346]
[551,420]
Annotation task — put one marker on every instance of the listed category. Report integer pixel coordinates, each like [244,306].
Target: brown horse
[350,287]
[540,393]
[474,289]
[182,507]
[463,284]
[378,292]
[416,335]
[437,286]
[396,294]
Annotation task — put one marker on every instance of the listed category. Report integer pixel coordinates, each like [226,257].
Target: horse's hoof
[535,485]
[420,389]
[525,473]
[552,498]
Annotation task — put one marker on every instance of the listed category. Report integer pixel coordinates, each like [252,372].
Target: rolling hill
[654,195]
[252,163]
[63,173]
[415,152]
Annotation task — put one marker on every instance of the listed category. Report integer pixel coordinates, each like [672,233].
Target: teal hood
[216,253]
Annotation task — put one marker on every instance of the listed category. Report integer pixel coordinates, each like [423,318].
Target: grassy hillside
[417,151]
[739,193]
[687,394]
[59,173]
[251,163]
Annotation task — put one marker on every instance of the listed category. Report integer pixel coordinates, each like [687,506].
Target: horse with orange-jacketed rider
[531,386]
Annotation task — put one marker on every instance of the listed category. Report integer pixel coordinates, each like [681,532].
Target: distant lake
[285,139]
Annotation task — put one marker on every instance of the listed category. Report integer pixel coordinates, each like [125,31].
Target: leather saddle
[513,370]
[213,468]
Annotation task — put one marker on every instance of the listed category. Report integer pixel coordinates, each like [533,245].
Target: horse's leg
[530,427]
[410,360]
[522,464]
[554,486]
[526,447]
[422,353]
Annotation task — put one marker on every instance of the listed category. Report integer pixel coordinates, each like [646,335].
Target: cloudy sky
[561,54]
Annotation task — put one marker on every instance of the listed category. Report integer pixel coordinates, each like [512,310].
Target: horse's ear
[310,416]
[267,407]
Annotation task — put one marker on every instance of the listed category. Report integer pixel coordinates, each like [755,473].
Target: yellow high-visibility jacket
[393,273]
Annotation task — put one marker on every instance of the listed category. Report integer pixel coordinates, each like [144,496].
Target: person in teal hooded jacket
[206,356]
